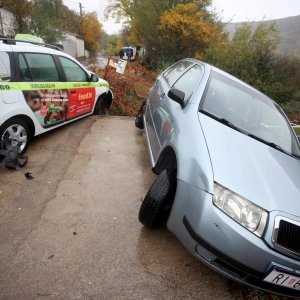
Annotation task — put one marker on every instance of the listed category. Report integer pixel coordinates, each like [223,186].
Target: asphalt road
[72,231]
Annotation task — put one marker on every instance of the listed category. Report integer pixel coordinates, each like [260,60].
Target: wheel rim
[16,133]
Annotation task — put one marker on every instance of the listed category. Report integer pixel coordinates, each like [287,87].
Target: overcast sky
[229,10]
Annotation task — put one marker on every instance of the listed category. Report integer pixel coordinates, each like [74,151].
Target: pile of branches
[130,89]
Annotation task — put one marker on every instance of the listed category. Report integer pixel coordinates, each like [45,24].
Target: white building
[7,20]
[73,44]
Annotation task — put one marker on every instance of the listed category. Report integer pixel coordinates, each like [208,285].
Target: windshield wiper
[231,125]
[273,145]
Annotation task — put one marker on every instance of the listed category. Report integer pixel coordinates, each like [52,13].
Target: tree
[142,19]
[187,31]
[151,24]
[71,20]
[251,56]
[47,20]
[22,9]
[114,45]
[91,31]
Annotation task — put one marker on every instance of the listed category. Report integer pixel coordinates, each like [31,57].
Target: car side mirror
[177,96]
[94,78]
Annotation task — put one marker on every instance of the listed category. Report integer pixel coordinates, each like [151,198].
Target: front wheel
[17,132]
[100,107]
[156,207]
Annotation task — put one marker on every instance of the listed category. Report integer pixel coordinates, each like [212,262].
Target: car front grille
[286,236]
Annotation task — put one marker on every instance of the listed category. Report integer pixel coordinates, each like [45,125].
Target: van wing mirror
[94,78]
[177,96]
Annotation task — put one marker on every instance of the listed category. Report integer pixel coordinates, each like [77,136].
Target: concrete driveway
[72,231]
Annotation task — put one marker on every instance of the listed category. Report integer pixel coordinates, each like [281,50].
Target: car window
[38,67]
[187,83]
[25,73]
[248,110]
[74,72]
[172,74]
[5,73]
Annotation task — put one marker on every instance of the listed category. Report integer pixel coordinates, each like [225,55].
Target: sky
[229,10]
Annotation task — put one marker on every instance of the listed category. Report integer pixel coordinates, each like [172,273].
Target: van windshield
[250,111]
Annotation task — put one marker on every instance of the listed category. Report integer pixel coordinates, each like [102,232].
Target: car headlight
[240,209]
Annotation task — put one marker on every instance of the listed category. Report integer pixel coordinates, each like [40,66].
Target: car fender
[190,148]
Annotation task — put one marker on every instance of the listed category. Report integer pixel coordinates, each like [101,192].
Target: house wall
[73,45]
[80,47]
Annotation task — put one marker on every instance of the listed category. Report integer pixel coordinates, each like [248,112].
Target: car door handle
[73,92]
[162,96]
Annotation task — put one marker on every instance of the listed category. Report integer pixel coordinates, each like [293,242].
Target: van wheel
[156,207]
[100,107]
[17,131]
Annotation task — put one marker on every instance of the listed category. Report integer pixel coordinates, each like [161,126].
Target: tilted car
[42,89]
[228,168]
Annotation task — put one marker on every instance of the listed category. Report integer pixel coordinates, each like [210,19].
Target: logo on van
[85,96]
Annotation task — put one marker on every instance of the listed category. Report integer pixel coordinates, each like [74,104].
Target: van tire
[21,132]
[100,107]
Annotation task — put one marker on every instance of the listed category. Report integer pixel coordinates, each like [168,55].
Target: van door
[9,92]
[43,92]
[82,93]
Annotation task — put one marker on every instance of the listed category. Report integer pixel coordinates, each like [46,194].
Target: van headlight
[249,215]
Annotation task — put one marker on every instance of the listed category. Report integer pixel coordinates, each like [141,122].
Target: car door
[155,112]
[40,83]
[5,77]
[81,92]
[167,112]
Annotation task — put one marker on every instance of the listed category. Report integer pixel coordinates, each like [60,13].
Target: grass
[297,130]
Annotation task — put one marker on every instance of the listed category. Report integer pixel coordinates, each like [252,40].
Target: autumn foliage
[91,31]
[188,32]
[130,89]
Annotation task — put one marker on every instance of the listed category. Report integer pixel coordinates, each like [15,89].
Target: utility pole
[80,8]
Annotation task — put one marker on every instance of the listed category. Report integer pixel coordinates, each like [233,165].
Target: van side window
[41,67]
[25,73]
[74,73]
[5,73]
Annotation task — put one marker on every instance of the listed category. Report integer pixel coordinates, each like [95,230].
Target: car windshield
[249,111]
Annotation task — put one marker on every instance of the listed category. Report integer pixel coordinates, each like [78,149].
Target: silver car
[228,169]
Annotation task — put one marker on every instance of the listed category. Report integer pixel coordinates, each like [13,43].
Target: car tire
[139,121]
[18,130]
[156,207]
[100,107]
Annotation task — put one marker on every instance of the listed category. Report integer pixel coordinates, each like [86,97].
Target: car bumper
[223,244]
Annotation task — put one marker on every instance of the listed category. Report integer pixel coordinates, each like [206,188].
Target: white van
[42,88]
[128,53]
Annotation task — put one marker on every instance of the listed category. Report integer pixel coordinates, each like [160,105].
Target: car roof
[21,46]
[11,45]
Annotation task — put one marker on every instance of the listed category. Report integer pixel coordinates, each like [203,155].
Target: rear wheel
[156,207]
[139,121]
[17,132]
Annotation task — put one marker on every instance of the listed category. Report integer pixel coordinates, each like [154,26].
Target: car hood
[254,170]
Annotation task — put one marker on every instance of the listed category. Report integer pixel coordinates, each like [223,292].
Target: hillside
[289,32]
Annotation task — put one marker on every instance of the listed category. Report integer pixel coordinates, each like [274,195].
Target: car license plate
[283,279]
